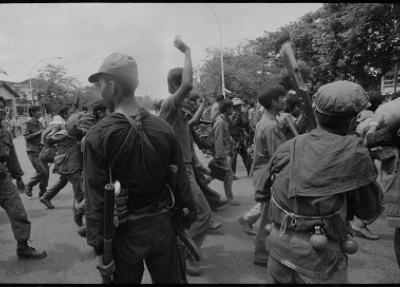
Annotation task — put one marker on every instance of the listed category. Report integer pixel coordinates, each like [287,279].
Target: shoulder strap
[137,125]
[111,164]
[171,169]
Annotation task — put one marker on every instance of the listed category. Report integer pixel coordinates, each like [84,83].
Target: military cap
[236,101]
[117,64]
[341,98]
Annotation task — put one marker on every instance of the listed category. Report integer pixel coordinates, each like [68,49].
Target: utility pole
[395,77]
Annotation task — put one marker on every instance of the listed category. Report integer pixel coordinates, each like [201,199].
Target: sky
[84,34]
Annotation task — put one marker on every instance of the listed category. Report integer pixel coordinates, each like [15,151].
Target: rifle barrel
[109,199]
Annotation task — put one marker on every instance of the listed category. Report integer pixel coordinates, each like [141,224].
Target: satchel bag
[47,154]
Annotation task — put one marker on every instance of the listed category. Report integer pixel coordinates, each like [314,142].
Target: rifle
[109,196]
[291,66]
[290,124]
[183,240]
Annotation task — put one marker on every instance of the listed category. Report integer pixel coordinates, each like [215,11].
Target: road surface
[228,252]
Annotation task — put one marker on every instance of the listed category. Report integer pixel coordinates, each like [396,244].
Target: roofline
[10,89]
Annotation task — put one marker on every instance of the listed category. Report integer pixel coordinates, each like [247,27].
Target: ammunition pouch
[121,208]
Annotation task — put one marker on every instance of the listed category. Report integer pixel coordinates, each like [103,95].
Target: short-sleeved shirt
[214,111]
[222,136]
[31,127]
[268,137]
[172,114]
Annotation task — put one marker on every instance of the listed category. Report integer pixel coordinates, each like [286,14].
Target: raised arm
[198,114]
[187,75]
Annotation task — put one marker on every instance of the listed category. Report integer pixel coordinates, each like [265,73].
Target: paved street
[228,252]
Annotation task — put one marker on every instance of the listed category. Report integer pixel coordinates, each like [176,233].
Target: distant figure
[32,131]
[180,83]
[84,109]
[17,124]
[10,200]
[215,107]
[223,146]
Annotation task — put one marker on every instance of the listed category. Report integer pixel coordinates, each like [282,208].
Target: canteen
[318,239]
[348,245]
[268,228]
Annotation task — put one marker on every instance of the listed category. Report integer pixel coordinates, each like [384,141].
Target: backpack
[47,153]
[206,135]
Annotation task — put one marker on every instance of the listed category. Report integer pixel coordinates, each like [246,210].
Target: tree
[359,42]
[88,96]
[147,103]
[353,41]
[240,71]
[53,87]
[372,39]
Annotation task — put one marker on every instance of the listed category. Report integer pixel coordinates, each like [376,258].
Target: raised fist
[181,45]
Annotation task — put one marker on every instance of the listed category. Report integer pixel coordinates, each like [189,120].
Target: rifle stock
[172,179]
[302,92]
[290,123]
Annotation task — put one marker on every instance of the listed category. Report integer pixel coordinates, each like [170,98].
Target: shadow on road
[220,266]
[60,258]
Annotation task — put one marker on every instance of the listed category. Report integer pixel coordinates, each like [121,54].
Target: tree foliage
[340,41]
[55,88]
[240,71]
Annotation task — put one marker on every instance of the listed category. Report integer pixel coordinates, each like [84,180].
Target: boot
[192,266]
[42,192]
[28,190]
[25,251]
[247,227]
[82,231]
[46,202]
[215,225]
[78,217]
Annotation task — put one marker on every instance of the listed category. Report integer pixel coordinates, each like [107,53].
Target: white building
[387,86]
[10,96]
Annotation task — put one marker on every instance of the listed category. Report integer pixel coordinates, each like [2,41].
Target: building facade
[10,96]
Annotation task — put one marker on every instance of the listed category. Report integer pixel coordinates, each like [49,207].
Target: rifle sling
[139,129]
[111,164]
[141,133]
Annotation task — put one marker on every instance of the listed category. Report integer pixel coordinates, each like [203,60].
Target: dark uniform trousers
[74,179]
[12,204]
[397,245]
[247,160]
[152,239]
[42,171]
[212,197]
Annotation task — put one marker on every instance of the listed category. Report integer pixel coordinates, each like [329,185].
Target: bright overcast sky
[84,34]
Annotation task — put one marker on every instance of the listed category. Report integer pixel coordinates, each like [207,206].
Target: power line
[102,58]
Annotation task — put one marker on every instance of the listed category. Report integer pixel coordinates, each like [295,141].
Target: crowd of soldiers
[308,184]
